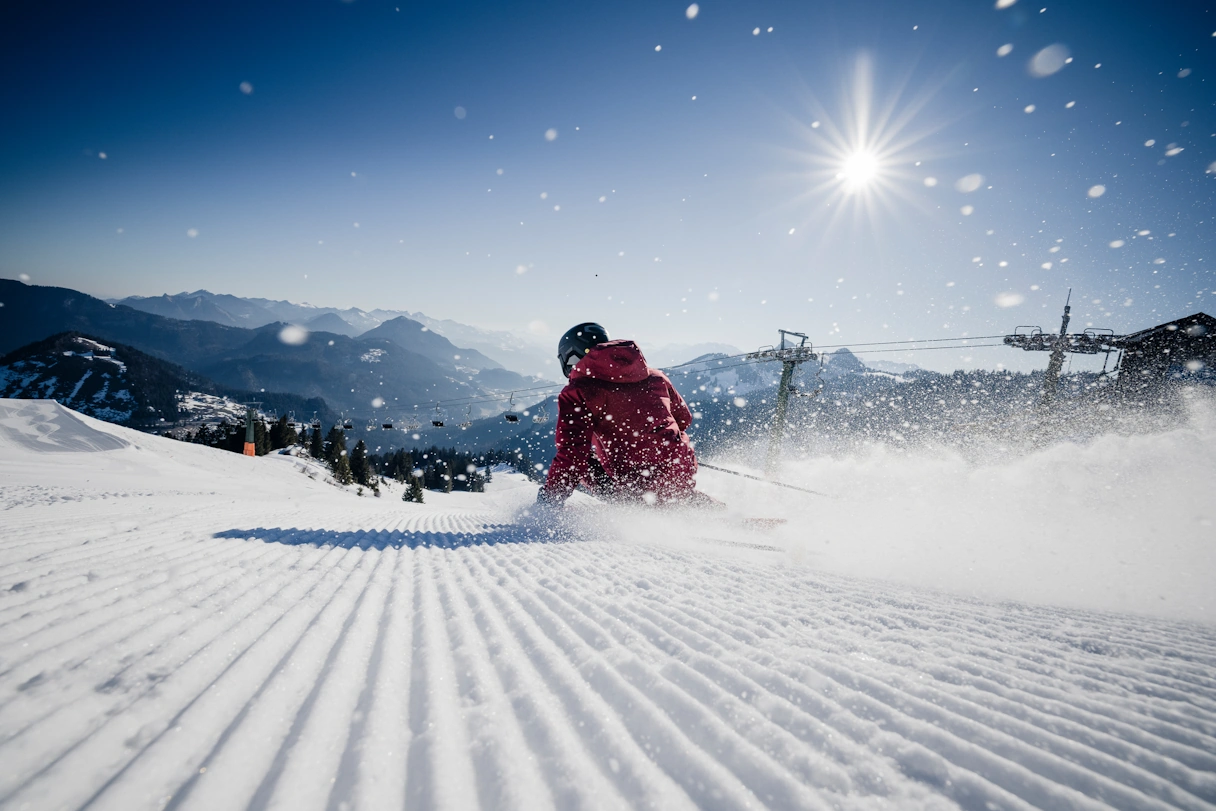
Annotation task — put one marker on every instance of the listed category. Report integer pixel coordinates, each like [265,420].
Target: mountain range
[399,362]
[495,348]
[120,384]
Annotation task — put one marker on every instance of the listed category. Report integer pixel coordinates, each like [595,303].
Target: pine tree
[261,438]
[335,445]
[341,469]
[359,466]
[316,448]
[336,455]
[414,491]
[448,478]
[281,435]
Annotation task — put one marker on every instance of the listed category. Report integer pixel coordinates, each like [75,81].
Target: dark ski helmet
[575,343]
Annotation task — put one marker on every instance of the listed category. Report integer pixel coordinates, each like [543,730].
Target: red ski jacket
[632,418]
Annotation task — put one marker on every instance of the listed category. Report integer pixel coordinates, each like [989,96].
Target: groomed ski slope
[186,628]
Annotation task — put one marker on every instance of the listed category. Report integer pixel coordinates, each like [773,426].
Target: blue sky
[341,154]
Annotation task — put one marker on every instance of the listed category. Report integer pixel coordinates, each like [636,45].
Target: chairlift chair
[348,425]
[541,416]
[316,422]
[437,419]
[387,425]
[468,418]
[510,415]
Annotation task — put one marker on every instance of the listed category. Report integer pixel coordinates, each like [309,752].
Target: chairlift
[316,422]
[541,416]
[438,418]
[468,418]
[348,425]
[291,419]
[387,425]
[510,415]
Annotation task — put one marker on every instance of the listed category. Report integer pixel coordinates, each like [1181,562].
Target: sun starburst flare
[862,159]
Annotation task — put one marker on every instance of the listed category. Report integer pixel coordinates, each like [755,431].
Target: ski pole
[759,479]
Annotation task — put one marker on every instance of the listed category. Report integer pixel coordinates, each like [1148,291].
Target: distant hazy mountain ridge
[491,349]
[120,384]
[412,365]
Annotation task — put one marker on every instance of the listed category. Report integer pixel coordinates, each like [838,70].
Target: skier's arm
[679,409]
[573,439]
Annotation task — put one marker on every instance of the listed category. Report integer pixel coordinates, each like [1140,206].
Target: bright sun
[859,169]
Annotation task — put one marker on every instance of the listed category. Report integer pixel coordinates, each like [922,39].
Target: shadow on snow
[489,535]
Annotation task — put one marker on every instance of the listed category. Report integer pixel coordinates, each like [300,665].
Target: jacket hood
[614,362]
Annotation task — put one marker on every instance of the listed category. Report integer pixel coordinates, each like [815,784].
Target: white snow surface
[186,628]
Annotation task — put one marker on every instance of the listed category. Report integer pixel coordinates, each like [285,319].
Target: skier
[620,426]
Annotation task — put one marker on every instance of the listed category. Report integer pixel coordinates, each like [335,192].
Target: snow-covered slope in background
[188,628]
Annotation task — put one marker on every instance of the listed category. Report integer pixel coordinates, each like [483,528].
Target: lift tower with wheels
[1089,342]
[790,355]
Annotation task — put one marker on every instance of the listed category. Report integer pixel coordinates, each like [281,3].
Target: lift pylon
[1089,342]
[790,355]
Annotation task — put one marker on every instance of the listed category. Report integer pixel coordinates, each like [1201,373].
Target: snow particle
[551,134]
[246,88]
[1173,150]
[658,48]
[460,112]
[740,402]
[967,211]
[1009,299]
[930,182]
[1048,61]
[1185,72]
[814,125]
[1150,142]
[755,32]
[378,402]
[1004,3]
[1096,191]
[1005,49]
[1046,266]
[192,232]
[293,335]
[969,183]
[521,270]
[1029,108]
[692,11]
[1211,170]
[1117,243]
[1070,105]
